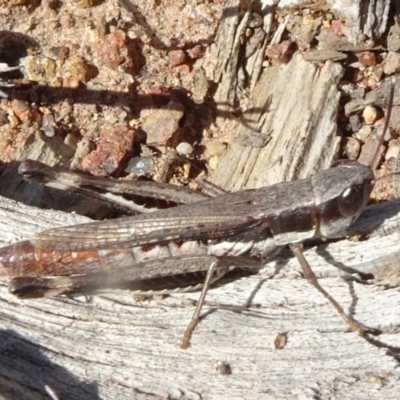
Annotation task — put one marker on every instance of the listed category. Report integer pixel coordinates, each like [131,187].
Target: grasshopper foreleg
[310,276]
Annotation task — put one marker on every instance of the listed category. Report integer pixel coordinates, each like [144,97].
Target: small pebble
[255,20]
[364,133]
[116,50]
[163,123]
[279,341]
[195,52]
[223,368]
[59,52]
[26,112]
[48,130]
[368,155]
[392,152]
[378,131]
[213,162]
[355,123]
[391,64]
[47,125]
[38,68]
[113,146]
[338,27]
[80,70]
[165,41]
[177,57]
[367,58]
[186,170]
[370,115]
[215,148]
[184,148]
[13,120]
[352,148]
[140,166]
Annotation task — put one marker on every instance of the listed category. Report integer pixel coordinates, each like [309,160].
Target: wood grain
[118,348]
[115,347]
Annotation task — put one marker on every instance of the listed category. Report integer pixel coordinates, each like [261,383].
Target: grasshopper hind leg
[185,342]
[218,267]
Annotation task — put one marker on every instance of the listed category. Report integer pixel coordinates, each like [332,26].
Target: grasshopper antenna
[375,158]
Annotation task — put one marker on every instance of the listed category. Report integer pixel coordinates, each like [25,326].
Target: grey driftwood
[117,348]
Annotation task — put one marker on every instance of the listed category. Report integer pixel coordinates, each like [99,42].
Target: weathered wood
[115,347]
[19,221]
[294,104]
[368,17]
[302,127]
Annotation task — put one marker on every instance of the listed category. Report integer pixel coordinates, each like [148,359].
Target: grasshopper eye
[351,201]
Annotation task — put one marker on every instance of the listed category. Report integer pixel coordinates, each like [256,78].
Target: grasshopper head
[341,194]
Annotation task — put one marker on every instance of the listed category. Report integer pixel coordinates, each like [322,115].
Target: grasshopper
[188,246]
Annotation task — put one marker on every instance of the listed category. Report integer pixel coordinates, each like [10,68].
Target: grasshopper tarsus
[185,342]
